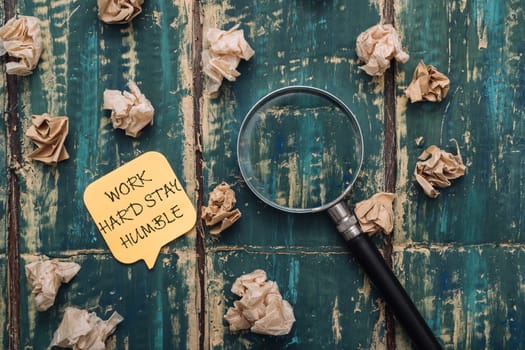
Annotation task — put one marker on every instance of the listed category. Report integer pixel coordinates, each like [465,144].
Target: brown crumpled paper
[222,57]
[130,111]
[45,278]
[436,167]
[427,84]
[376,213]
[20,37]
[377,46]
[261,307]
[82,330]
[220,211]
[49,134]
[119,11]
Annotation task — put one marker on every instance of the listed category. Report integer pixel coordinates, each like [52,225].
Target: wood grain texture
[464,250]
[82,58]
[460,256]
[477,46]
[309,43]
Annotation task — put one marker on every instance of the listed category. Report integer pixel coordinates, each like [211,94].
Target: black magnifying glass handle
[374,265]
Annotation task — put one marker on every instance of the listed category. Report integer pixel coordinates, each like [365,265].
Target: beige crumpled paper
[261,307]
[20,37]
[130,111]
[45,278]
[377,46]
[376,213]
[427,84]
[220,211]
[436,167]
[220,60]
[49,134]
[83,330]
[119,11]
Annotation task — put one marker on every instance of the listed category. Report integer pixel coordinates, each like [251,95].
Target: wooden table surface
[459,256]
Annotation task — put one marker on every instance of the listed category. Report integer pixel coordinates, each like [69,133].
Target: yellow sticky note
[139,207]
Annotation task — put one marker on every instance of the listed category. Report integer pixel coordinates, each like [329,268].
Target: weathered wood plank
[83,57]
[478,46]
[332,312]
[296,42]
[275,65]
[468,243]
[472,296]
[458,255]
[154,305]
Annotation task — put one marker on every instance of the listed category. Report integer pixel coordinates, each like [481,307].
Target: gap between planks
[390,154]
[14,157]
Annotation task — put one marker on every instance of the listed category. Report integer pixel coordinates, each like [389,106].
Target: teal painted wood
[464,250]
[477,45]
[331,312]
[153,304]
[472,296]
[268,70]
[295,42]
[83,57]
[459,255]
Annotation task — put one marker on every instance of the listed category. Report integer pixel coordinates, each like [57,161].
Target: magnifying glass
[300,150]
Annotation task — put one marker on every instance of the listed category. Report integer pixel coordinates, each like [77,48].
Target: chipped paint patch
[157,17]
[130,58]
[52,68]
[364,294]
[403,176]
[336,322]
[189,148]
[378,334]
[216,305]
[481,25]
[186,268]
[214,15]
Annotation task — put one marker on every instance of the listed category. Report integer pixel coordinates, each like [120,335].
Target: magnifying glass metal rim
[290,90]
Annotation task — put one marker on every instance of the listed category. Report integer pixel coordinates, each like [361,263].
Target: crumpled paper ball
[119,11]
[21,38]
[377,46]
[436,168]
[220,60]
[220,212]
[83,330]
[45,278]
[376,213]
[49,134]
[261,307]
[427,84]
[130,111]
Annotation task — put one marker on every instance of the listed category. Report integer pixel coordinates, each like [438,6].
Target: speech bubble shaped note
[139,207]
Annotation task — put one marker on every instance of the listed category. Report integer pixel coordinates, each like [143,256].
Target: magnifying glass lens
[299,150]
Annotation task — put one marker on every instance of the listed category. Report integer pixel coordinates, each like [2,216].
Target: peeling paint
[130,58]
[336,325]
[401,221]
[216,305]
[378,338]
[186,268]
[364,294]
